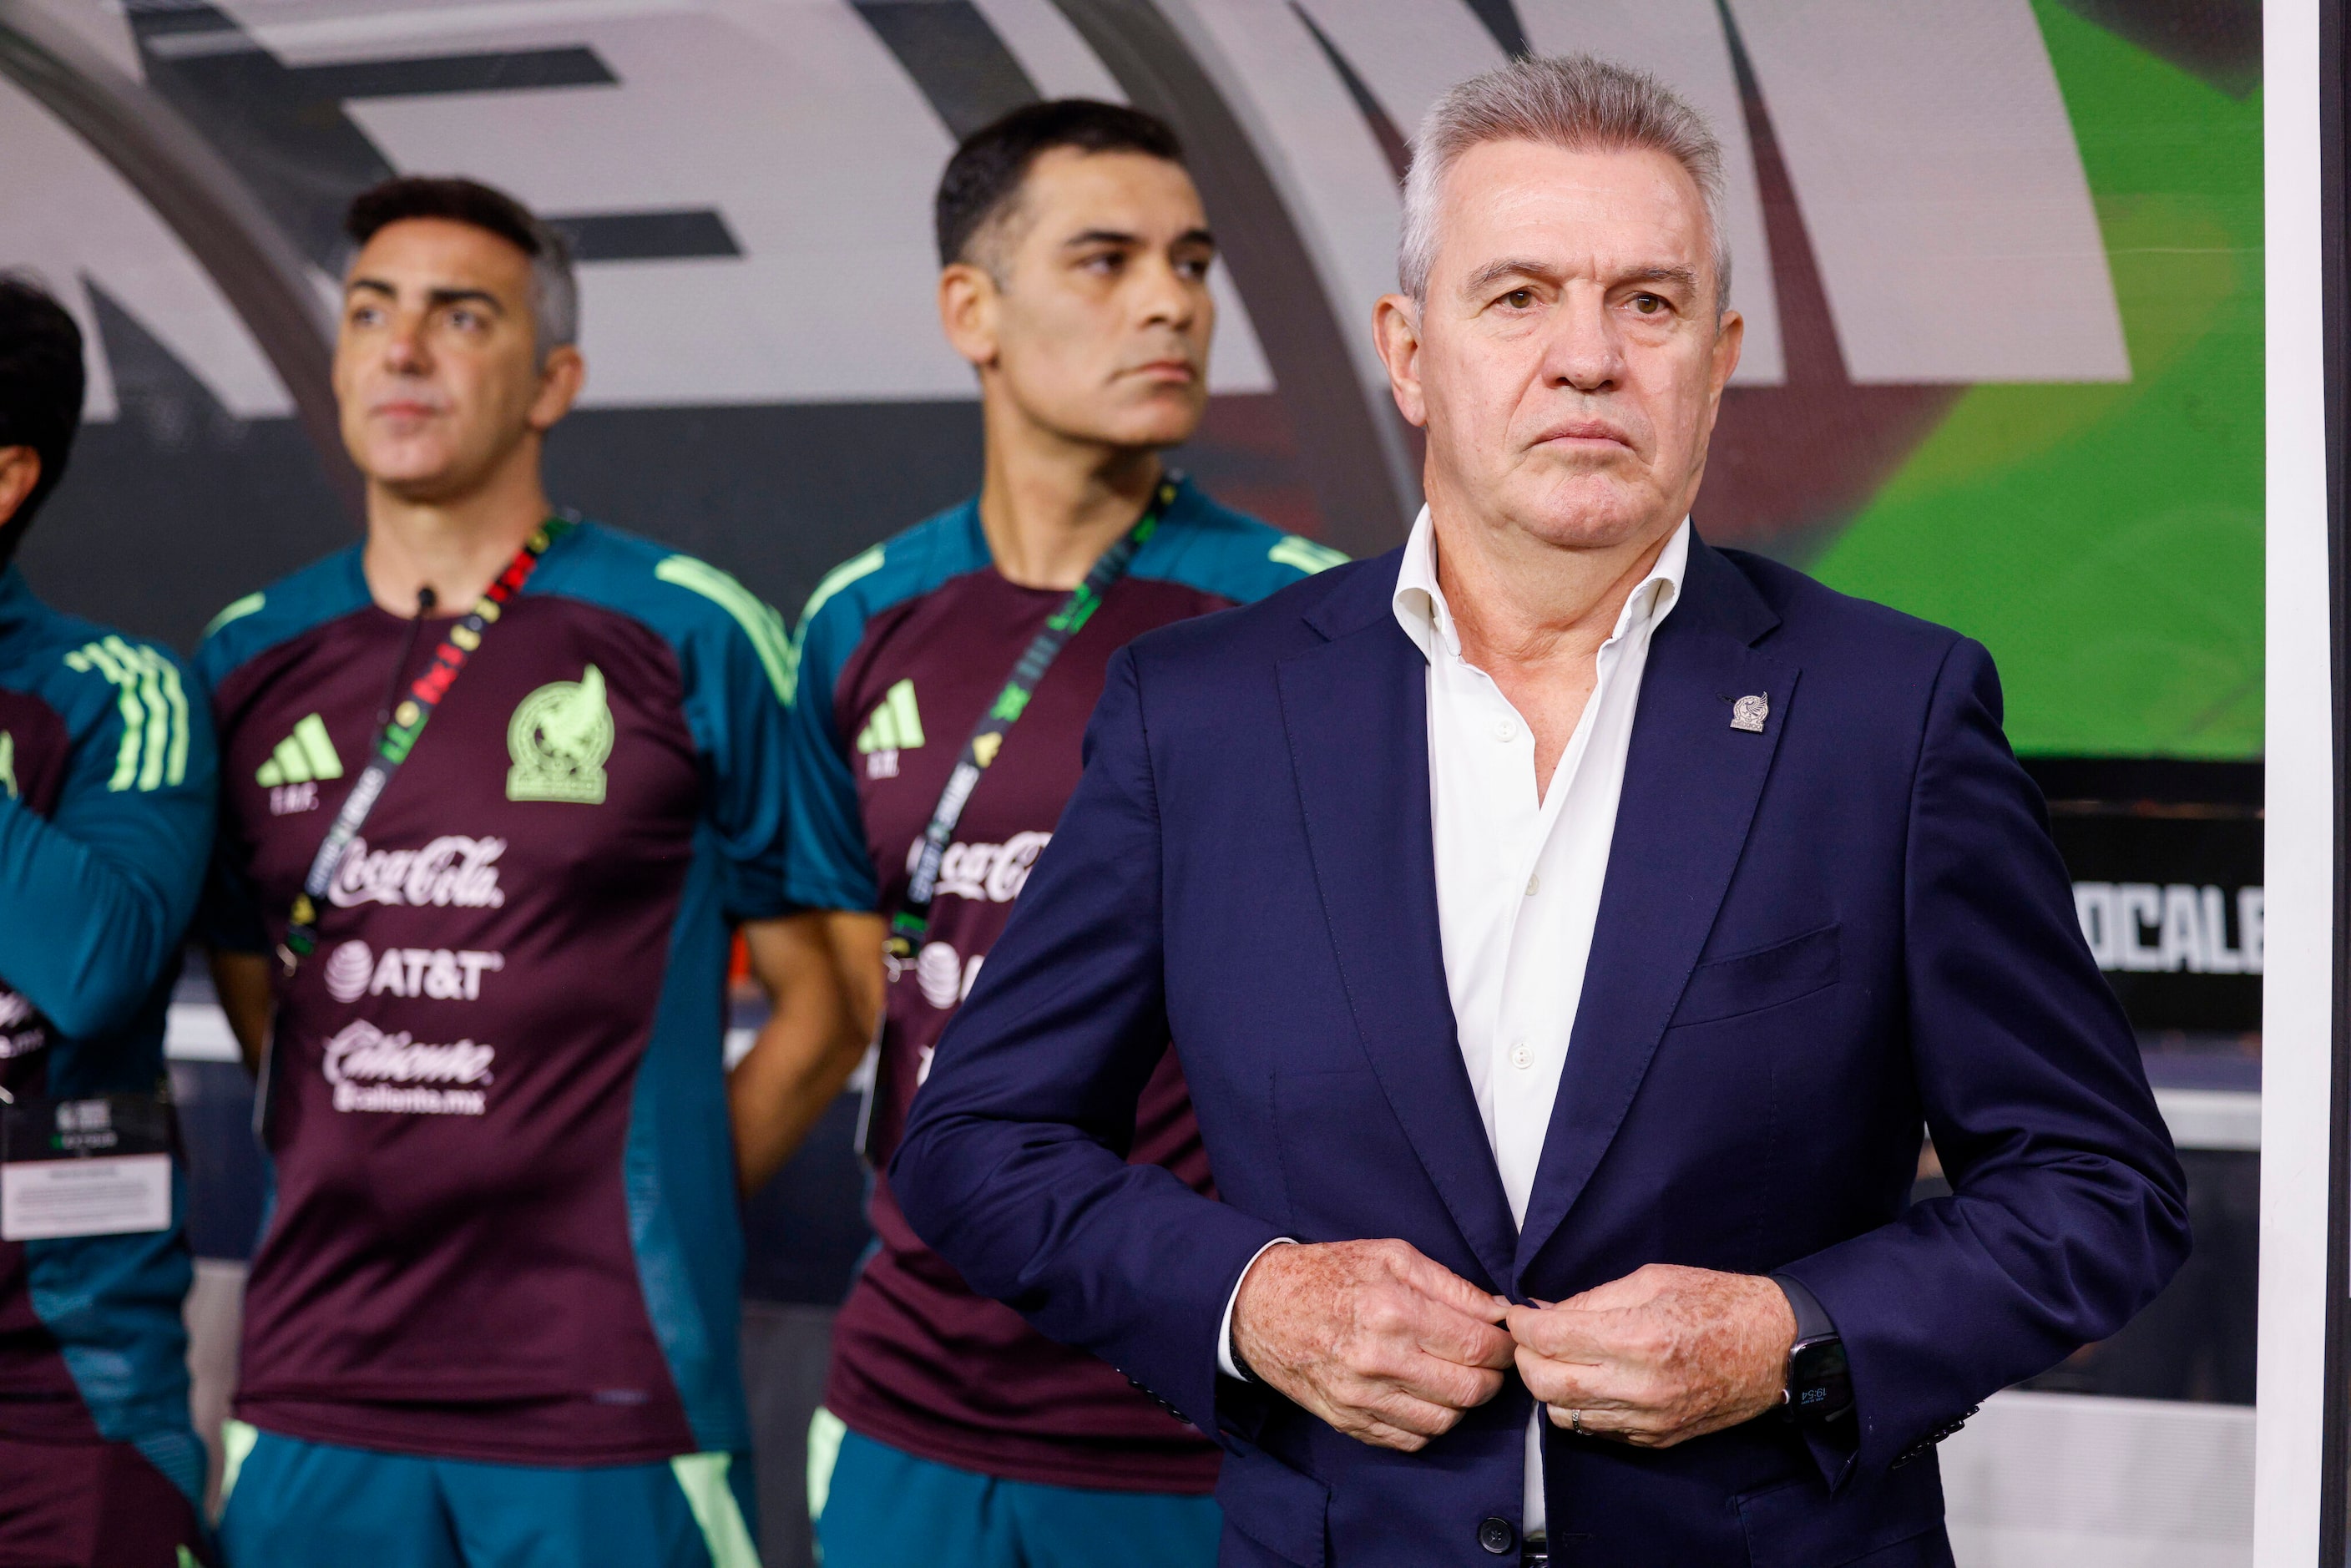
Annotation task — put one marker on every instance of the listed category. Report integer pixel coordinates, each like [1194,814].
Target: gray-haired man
[1565,927]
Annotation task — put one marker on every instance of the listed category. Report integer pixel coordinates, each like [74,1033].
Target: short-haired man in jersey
[106,816]
[944,680]
[497,783]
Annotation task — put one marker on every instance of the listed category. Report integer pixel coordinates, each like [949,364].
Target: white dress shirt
[1518,870]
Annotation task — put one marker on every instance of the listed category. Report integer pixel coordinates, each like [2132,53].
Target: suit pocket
[1894,1520]
[1750,982]
[1286,1512]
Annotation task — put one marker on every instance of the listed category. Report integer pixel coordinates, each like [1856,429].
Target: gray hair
[554,292]
[1577,102]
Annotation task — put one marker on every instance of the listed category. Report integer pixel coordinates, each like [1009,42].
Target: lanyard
[399,738]
[908,926]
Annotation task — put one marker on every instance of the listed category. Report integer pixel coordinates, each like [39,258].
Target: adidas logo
[894,725]
[305,756]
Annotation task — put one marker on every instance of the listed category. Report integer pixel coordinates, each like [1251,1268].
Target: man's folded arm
[2068,1208]
[1014,1163]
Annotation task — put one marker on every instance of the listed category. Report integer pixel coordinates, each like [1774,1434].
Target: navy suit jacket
[1810,942]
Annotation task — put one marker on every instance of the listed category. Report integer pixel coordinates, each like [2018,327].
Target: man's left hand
[1660,1356]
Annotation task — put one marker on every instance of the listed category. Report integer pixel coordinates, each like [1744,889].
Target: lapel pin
[1749,713]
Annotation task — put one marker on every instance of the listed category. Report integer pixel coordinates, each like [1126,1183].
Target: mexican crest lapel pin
[1749,713]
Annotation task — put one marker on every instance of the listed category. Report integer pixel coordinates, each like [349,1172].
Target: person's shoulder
[682,598]
[76,663]
[1208,545]
[1308,610]
[133,697]
[248,627]
[1826,623]
[906,566]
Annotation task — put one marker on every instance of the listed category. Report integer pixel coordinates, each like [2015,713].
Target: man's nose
[1167,300]
[1583,351]
[404,349]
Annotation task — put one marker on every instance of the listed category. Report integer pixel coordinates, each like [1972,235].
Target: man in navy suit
[1565,928]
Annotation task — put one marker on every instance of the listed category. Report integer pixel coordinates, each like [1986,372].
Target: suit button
[1497,1535]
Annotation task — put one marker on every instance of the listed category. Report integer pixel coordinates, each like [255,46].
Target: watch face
[1820,1380]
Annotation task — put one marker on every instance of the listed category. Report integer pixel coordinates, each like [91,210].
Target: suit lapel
[1691,784]
[1356,709]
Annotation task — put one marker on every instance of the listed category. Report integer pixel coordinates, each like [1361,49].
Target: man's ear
[560,380]
[1729,338]
[20,471]
[968,301]
[1396,331]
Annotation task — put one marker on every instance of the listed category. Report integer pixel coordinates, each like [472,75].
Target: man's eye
[1195,269]
[1520,299]
[1105,261]
[1647,304]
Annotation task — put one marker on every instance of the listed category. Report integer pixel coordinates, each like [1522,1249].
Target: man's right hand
[1371,1336]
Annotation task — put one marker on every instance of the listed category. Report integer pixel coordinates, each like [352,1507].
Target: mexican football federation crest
[559,738]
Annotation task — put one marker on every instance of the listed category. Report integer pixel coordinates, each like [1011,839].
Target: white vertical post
[2298,992]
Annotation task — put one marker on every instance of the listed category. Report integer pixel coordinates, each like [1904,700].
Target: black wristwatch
[1820,1381]
[1819,1384]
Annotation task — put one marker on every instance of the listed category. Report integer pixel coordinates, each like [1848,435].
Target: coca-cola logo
[451,871]
[985,874]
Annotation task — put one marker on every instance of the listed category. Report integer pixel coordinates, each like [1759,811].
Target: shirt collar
[1426,619]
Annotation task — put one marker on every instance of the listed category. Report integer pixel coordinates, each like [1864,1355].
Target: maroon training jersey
[504,1224]
[902,649]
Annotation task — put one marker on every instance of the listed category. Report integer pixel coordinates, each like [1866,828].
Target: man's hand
[1660,1356]
[1371,1336]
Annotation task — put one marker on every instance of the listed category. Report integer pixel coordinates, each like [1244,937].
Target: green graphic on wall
[2106,541]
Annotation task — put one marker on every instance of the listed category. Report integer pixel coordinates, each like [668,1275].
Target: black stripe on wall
[685,234]
[507,71]
[954,57]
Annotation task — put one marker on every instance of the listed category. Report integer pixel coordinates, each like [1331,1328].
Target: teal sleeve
[830,865]
[735,706]
[114,872]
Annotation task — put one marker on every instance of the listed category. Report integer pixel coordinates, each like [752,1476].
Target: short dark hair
[42,381]
[554,294]
[986,170]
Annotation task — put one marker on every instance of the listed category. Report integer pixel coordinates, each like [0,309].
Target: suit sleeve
[2068,1207]
[1014,1163]
[115,868]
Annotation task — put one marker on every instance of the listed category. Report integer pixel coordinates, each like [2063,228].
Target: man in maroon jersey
[944,682]
[497,784]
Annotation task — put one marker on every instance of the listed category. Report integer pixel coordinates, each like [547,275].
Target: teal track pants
[287,1503]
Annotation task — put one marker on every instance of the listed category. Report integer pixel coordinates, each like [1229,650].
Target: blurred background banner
[2001,262]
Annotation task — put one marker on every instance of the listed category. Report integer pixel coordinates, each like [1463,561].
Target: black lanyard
[407,722]
[908,926]
[913,917]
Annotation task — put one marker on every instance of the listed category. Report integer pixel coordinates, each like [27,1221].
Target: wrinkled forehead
[426,256]
[1570,212]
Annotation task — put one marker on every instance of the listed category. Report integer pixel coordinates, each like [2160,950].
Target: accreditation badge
[94,1167]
